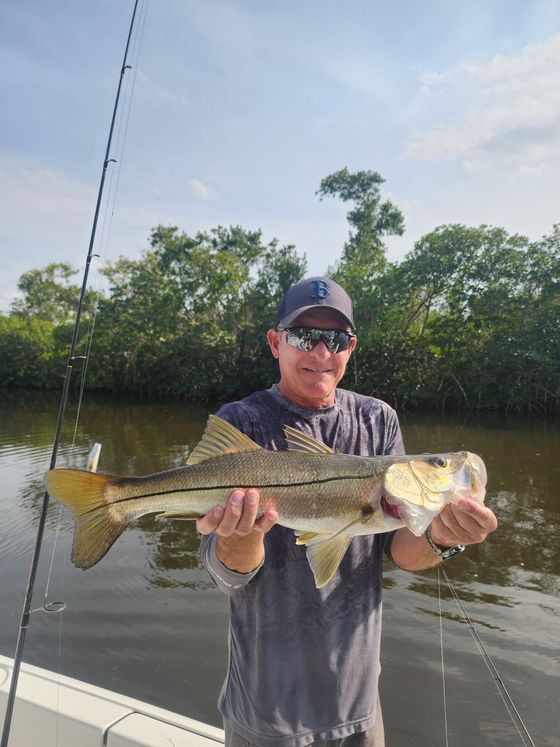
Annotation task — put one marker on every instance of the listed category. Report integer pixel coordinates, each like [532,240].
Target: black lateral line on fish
[223,487]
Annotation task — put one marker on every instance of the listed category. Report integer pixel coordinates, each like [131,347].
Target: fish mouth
[389,509]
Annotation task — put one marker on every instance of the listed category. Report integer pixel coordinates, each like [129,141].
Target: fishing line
[52,606]
[442,659]
[26,612]
[507,700]
[59,659]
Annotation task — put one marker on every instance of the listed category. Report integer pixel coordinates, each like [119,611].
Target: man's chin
[321,394]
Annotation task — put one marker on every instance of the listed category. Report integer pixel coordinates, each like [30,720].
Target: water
[148,622]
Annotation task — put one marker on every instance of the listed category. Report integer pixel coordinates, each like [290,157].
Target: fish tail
[97,524]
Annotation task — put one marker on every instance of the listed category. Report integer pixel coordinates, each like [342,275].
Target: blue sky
[239,108]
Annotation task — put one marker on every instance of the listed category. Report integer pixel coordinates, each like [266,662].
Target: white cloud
[199,188]
[509,111]
[40,202]
[46,216]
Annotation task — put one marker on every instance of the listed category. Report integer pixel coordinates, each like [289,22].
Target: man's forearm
[412,553]
[241,553]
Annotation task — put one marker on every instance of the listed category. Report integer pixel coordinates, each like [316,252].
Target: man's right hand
[240,534]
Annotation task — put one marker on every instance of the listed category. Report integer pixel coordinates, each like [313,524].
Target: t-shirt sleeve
[225,579]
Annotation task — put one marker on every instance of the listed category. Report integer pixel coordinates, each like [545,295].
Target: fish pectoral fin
[186,515]
[299,441]
[324,555]
[219,438]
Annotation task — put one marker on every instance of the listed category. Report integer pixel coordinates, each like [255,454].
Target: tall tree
[48,294]
[363,256]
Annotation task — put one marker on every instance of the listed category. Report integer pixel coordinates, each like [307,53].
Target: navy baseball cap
[310,293]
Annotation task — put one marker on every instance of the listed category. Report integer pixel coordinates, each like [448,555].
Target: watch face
[446,554]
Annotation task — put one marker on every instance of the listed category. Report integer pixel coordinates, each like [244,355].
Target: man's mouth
[389,509]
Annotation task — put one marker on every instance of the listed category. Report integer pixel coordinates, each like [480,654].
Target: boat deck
[52,710]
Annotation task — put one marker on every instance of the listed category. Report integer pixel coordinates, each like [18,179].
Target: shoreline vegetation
[469,320]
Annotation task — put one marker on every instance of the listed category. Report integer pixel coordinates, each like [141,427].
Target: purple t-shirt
[304,662]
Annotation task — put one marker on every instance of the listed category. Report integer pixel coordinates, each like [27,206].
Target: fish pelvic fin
[97,526]
[219,438]
[325,553]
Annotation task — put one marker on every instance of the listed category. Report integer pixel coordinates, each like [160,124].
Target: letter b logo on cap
[320,288]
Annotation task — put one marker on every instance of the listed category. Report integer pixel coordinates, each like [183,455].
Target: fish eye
[440,461]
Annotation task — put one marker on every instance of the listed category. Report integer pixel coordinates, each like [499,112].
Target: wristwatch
[443,552]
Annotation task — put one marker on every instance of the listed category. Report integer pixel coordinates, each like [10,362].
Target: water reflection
[149,598]
[139,438]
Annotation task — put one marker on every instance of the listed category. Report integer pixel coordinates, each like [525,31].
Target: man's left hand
[468,523]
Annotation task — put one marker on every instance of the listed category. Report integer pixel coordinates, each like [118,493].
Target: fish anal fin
[325,555]
[219,438]
[304,538]
[299,441]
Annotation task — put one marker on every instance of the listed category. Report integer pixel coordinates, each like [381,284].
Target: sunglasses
[306,338]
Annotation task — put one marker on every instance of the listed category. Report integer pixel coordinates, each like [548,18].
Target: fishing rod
[26,612]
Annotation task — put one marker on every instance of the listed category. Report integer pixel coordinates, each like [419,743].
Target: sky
[234,110]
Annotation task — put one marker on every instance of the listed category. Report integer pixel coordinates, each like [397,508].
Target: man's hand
[239,544]
[468,523]
[465,524]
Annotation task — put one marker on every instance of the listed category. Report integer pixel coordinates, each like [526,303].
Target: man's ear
[353,343]
[273,339]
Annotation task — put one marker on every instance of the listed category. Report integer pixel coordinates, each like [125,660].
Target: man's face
[310,378]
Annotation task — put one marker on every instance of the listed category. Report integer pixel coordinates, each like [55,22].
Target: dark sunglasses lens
[305,338]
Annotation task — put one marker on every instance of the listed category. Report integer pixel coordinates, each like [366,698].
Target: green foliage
[26,351]
[47,294]
[469,319]
[189,318]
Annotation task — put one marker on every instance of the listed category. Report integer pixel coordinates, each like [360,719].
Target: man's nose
[320,351]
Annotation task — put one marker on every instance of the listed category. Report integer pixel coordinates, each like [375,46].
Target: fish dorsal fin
[219,438]
[299,441]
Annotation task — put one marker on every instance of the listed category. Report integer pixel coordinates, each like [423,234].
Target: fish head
[418,488]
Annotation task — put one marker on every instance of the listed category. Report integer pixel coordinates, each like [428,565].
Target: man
[304,662]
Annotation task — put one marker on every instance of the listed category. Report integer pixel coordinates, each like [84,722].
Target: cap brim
[292,317]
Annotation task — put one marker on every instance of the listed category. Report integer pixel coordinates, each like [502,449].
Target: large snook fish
[326,497]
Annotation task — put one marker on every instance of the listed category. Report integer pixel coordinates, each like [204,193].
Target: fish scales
[327,498]
[305,489]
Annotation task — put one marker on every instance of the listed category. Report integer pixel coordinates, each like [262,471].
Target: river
[148,622]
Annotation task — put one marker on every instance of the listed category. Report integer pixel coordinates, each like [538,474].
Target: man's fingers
[239,516]
[232,514]
[448,528]
[207,524]
[267,521]
[246,523]
[467,524]
[483,516]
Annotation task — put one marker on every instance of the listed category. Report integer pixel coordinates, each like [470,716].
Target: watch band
[442,552]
